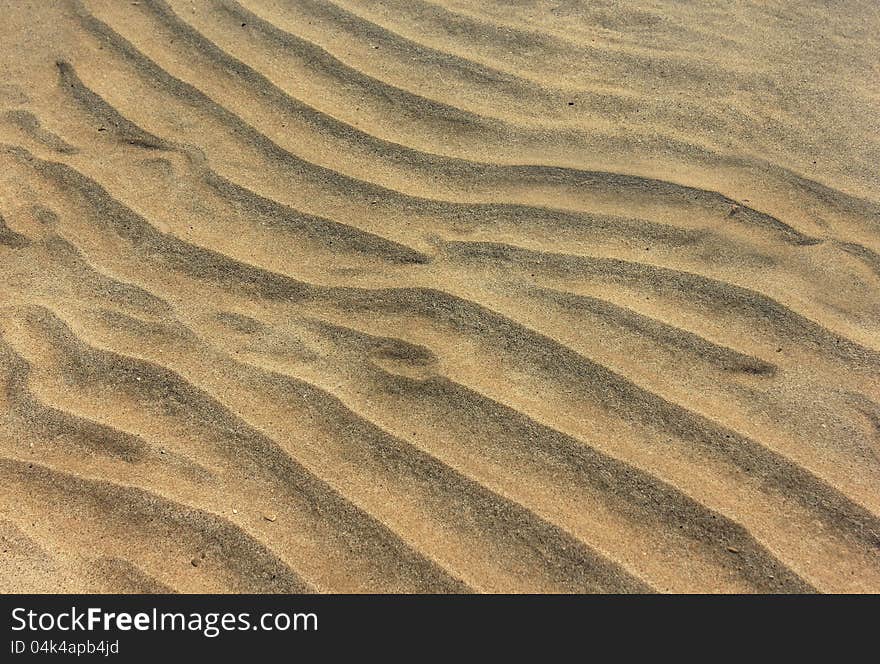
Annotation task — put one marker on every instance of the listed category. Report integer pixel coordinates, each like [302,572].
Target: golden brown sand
[448,295]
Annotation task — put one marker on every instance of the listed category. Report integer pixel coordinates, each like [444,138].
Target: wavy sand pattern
[439,296]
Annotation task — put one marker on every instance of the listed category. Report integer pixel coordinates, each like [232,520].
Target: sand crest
[439,296]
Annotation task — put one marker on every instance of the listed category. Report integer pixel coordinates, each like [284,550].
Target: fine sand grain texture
[439,296]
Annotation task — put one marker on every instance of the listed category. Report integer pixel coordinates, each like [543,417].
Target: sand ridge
[439,296]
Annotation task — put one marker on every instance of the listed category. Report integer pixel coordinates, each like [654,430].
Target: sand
[439,296]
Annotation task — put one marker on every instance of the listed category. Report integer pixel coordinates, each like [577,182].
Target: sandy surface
[439,296]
